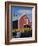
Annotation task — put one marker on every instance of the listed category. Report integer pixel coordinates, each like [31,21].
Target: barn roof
[15,17]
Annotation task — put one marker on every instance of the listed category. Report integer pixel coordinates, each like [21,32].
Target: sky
[16,12]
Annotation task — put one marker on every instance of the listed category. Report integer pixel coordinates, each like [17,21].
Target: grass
[25,29]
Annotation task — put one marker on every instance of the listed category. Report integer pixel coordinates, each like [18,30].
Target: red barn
[24,20]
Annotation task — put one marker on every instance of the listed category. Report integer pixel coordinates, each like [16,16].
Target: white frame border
[33,24]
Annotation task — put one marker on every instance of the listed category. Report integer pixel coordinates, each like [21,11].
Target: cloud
[24,11]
